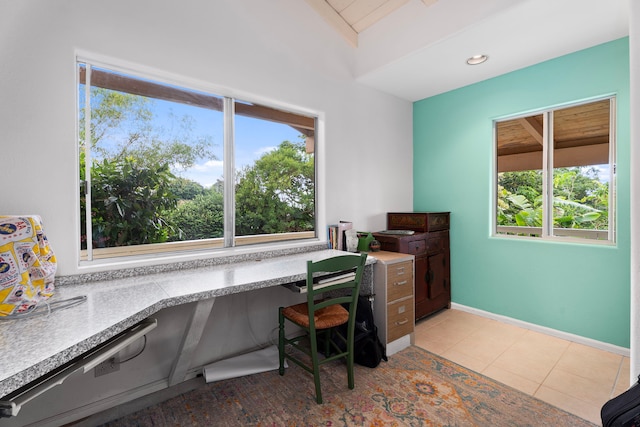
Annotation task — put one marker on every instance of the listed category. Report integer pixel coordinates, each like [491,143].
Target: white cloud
[208,165]
[206,174]
[263,150]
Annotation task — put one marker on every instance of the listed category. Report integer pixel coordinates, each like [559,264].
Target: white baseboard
[397,345]
[543,329]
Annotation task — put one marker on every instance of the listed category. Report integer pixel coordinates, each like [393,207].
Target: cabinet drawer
[417,247]
[399,280]
[399,271]
[400,317]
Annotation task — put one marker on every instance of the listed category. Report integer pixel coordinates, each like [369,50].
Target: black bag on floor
[368,349]
[623,410]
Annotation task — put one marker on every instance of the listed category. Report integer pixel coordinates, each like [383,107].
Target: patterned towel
[27,265]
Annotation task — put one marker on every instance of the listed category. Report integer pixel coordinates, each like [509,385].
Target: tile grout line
[570,395]
[617,381]
[512,373]
[554,367]
[538,385]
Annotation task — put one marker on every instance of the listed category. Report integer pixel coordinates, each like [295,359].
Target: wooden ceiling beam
[271,114]
[366,12]
[578,142]
[581,142]
[149,89]
[333,18]
[140,87]
[596,154]
[532,126]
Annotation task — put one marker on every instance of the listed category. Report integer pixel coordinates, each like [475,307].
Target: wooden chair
[318,316]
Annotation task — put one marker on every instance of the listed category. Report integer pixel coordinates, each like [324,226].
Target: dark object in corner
[368,349]
[623,410]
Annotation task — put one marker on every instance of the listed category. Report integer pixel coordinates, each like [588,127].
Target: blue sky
[253,137]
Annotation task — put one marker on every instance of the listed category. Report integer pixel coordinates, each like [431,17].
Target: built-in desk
[33,347]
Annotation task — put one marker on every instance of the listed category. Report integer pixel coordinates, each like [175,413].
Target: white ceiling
[417,49]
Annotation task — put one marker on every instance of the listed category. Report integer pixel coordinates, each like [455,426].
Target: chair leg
[350,378]
[281,341]
[316,366]
[327,342]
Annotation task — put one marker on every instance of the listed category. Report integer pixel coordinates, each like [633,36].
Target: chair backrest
[337,279]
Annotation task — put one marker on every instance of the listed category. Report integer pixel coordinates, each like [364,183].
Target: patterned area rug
[414,388]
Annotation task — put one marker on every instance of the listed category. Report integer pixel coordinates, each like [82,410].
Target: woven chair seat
[328,317]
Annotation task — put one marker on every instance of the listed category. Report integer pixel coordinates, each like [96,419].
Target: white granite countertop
[33,347]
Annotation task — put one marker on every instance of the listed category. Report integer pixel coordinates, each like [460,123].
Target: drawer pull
[404,282]
[402,322]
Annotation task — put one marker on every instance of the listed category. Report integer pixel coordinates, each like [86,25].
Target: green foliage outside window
[129,199]
[273,195]
[580,199]
[138,196]
[199,218]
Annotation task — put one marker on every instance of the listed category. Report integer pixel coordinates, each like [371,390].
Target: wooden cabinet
[432,262]
[393,305]
[418,221]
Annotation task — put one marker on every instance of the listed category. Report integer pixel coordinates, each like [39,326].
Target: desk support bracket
[12,403]
[190,340]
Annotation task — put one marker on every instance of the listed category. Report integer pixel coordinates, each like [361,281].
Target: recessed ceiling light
[477,59]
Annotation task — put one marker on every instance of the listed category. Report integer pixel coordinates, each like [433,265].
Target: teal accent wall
[582,289]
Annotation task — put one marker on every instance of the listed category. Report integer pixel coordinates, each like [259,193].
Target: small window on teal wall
[555,173]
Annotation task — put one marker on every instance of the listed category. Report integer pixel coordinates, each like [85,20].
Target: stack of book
[335,235]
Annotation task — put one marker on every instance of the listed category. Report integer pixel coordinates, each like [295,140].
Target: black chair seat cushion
[326,317]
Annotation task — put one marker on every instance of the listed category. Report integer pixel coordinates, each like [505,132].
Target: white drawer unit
[393,306]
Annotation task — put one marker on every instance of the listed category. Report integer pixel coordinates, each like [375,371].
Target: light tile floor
[571,376]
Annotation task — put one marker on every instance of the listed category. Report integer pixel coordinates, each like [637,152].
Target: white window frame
[547,230]
[198,248]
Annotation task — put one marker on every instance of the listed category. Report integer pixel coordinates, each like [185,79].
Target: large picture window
[556,173]
[165,168]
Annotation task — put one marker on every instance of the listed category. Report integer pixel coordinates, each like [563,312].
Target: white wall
[279,51]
